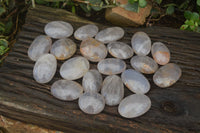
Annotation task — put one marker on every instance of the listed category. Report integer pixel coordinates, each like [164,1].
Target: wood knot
[169,107]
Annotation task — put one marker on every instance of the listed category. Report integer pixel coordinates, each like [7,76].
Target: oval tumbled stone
[92,81]
[40,45]
[45,68]
[160,53]
[120,50]
[86,31]
[93,50]
[167,75]
[63,48]
[112,90]
[135,81]
[58,29]
[74,68]
[91,103]
[111,66]
[134,105]
[110,34]
[141,43]
[144,64]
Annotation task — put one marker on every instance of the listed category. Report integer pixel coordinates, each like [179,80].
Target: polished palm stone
[66,90]
[63,49]
[111,66]
[110,34]
[135,81]
[112,90]
[160,53]
[92,81]
[40,45]
[58,29]
[86,31]
[91,103]
[167,75]
[74,68]
[134,105]
[45,68]
[120,50]
[93,50]
[141,43]
[144,64]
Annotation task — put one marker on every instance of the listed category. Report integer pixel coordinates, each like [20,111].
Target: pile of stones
[93,49]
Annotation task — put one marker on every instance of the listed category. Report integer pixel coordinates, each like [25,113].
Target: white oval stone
[110,34]
[86,31]
[167,75]
[40,45]
[74,68]
[58,29]
[120,50]
[66,90]
[141,43]
[134,105]
[91,103]
[112,90]
[63,49]
[135,81]
[111,66]
[45,68]
[92,81]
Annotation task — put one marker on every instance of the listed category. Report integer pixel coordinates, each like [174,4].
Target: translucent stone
[58,29]
[66,90]
[134,105]
[135,81]
[92,81]
[86,31]
[110,34]
[141,43]
[160,53]
[63,48]
[167,75]
[91,103]
[45,68]
[40,45]
[112,90]
[120,50]
[74,68]
[93,50]
[111,66]
[144,64]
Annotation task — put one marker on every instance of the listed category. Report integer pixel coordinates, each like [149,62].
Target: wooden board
[174,109]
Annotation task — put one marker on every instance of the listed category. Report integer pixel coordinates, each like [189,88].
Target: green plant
[135,5]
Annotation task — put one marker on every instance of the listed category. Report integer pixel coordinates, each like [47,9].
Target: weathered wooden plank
[174,109]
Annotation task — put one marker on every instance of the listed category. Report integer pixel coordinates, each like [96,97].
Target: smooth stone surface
[63,49]
[40,45]
[92,81]
[120,50]
[111,66]
[160,53]
[58,29]
[144,64]
[91,103]
[141,43]
[110,34]
[167,75]
[135,81]
[66,90]
[45,68]
[74,68]
[134,105]
[112,90]
[86,31]
[93,50]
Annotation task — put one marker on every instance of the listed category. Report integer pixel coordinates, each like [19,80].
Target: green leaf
[132,7]
[2,10]
[84,7]
[198,2]
[189,22]
[8,26]
[95,4]
[73,9]
[184,27]
[132,1]
[170,10]
[2,28]
[3,46]
[158,1]
[192,27]
[187,14]
[195,16]
[142,3]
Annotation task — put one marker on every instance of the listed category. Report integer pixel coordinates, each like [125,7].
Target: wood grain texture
[174,109]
